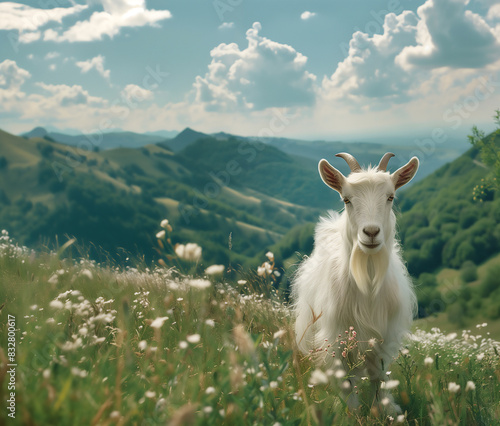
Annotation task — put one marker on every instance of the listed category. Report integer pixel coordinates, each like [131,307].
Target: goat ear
[404,174]
[331,176]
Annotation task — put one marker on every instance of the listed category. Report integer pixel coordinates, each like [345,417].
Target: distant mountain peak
[37,132]
[185,138]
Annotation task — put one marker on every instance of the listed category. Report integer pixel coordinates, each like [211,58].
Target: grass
[108,345]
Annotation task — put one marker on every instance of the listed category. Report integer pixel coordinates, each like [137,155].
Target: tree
[489,148]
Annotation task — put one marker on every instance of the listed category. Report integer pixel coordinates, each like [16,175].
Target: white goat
[355,275]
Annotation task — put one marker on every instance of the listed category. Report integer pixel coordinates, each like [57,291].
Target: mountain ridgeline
[262,195]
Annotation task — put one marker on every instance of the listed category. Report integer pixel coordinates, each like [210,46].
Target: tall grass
[106,345]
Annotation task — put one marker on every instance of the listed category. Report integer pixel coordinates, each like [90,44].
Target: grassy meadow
[99,344]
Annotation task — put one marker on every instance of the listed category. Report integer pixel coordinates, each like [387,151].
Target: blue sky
[307,69]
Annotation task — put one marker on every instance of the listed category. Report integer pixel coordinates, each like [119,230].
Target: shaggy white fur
[355,275]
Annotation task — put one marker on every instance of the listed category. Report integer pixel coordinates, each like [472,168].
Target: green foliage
[468,271]
[105,345]
[445,227]
[491,282]
[489,147]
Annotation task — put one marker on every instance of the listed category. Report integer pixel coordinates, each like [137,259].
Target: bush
[491,281]
[468,272]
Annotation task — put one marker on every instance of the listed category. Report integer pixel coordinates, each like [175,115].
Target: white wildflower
[401,418]
[210,322]
[405,351]
[199,283]
[158,322]
[470,386]
[142,345]
[207,409]
[340,374]
[279,334]
[190,251]
[193,338]
[273,384]
[83,331]
[164,223]
[53,279]
[150,394]
[87,273]
[372,342]
[214,270]
[34,307]
[114,415]
[242,282]
[210,390]
[480,357]
[390,384]
[386,401]
[80,373]
[160,235]
[451,336]
[270,256]
[428,361]
[453,387]
[318,377]
[183,344]
[56,304]
[50,321]
[46,373]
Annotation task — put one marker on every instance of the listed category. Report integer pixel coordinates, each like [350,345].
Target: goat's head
[368,196]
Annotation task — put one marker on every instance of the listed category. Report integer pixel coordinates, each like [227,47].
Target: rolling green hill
[114,199]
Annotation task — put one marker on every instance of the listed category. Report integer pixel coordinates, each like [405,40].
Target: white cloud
[135,93]
[117,14]
[449,35]
[12,77]
[64,96]
[494,12]
[226,25]
[27,20]
[52,67]
[264,74]
[307,15]
[52,55]
[370,70]
[96,63]
[408,59]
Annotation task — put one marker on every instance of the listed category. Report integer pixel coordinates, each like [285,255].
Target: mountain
[431,155]
[97,141]
[184,139]
[37,132]
[116,198]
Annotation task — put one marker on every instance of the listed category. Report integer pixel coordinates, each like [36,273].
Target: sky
[315,69]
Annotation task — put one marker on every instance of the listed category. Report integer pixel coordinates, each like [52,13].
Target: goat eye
[347,201]
[391,198]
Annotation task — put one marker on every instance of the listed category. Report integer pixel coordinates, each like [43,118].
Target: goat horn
[382,166]
[350,160]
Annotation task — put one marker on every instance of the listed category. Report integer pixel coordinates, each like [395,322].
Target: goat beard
[369,270]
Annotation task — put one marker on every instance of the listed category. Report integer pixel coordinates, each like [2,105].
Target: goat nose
[371,231]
